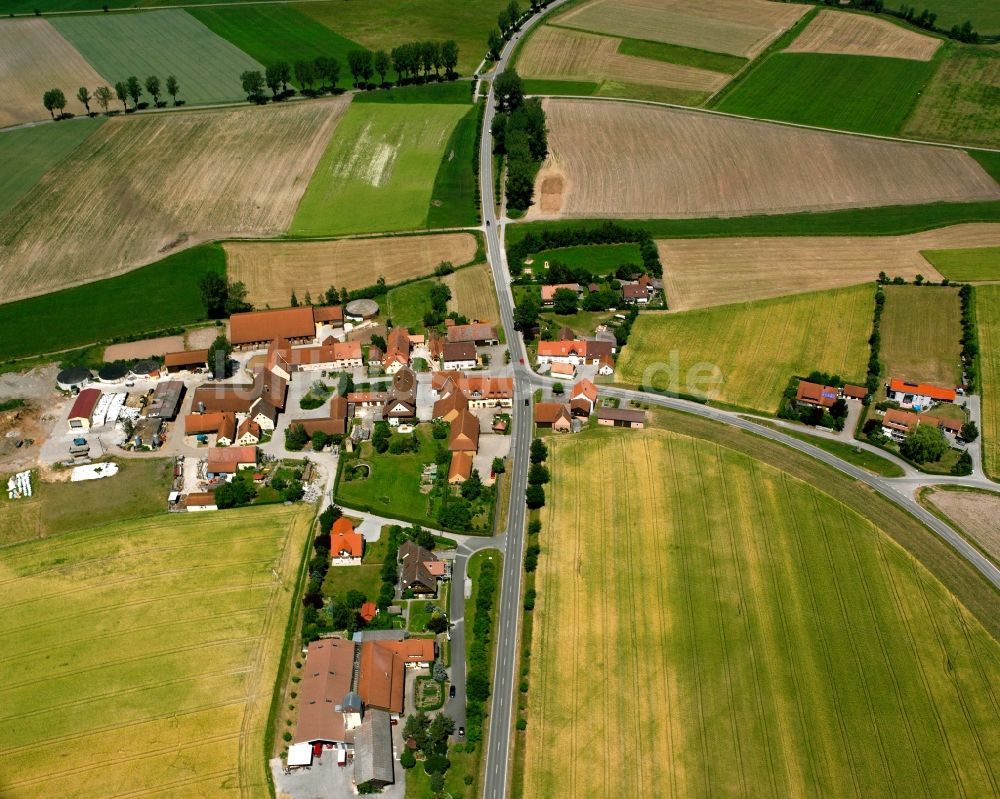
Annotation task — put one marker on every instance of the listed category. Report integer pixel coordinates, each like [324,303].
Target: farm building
[331,315]
[74,378]
[457,356]
[259,328]
[549,292]
[563,370]
[283,359]
[899,424]
[185,361]
[815,395]
[145,369]
[480,334]
[373,759]
[200,502]
[83,408]
[166,400]
[585,394]
[397,352]
[346,546]
[359,310]
[450,405]
[333,425]
[204,423]
[918,395]
[324,716]
[464,436]
[418,572]
[226,461]
[621,417]
[554,415]
[460,468]
[854,392]
[576,352]
[248,433]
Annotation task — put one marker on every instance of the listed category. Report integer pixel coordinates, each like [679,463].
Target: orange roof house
[261,327]
[345,544]
[586,391]
[229,460]
[186,359]
[464,433]
[899,390]
[814,394]
[555,415]
[368,611]
[461,467]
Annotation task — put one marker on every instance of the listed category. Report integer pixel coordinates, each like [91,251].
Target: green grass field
[453,198]
[988,325]
[960,103]
[408,304]
[974,263]
[858,93]
[161,43]
[272,33]
[541,86]
[447,92]
[31,152]
[983,14]
[921,334]
[140,657]
[678,54]
[600,259]
[744,355]
[113,308]
[744,632]
[378,171]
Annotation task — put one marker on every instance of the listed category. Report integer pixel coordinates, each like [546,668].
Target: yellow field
[141,187]
[921,334]
[699,273]
[744,355]
[273,270]
[613,159]
[858,34]
[139,658]
[562,54]
[473,294]
[988,326]
[708,624]
[34,58]
[976,512]
[739,27]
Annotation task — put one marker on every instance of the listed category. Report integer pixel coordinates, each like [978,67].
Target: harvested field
[35,59]
[630,160]
[273,270]
[473,294]
[699,273]
[744,355]
[860,34]
[988,326]
[105,213]
[977,513]
[739,27]
[147,348]
[158,674]
[561,54]
[746,631]
[921,334]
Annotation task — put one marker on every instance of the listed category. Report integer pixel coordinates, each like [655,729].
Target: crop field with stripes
[139,658]
[710,625]
[988,324]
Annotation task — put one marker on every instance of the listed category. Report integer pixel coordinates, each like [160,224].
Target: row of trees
[519,136]
[585,234]
[477,683]
[130,88]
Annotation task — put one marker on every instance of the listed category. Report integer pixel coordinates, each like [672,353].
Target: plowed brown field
[571,55]
[698,273]
[34,58]
[140,187]
[615,159]
[739,27]
[273,270]
[856,34]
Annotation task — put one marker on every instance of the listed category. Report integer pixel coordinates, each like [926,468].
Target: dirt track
[856,34]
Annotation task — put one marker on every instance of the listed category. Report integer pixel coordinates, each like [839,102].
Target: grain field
[858,34]
[473,294]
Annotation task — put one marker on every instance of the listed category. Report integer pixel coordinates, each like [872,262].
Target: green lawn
[983,14]
[453,198]
[408,304]
[678,54]
[378,171]
[599,259]
[31,152]
[161,43]
[584,88]
[858,93]
[161,295]
[447,92]
[270,33]
[848,452]
[974,263]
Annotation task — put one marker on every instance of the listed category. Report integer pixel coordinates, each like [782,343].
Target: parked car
[461,732]
[451,692]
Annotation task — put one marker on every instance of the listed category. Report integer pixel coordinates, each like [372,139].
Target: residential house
[815,395]
[918,395]
[636,293]
[83,408]
[226,433]
[605,366]
[226,461]
[185,361]
[477,333]
[621,417]
[464,435]
[248,433]
[460,469]
[554,415]
[584,394]
[452,403]
[414,573]
[481,391]
[346,546]
[368,399]
[397,353]
[457,356]
[566,371]
[333,357]
[549,292]
[401,402]
[898,424]
[577,351]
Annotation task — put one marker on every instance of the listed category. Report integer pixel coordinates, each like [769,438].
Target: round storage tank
[74,378]
[361,309]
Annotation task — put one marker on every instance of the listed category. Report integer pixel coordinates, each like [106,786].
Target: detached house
[479,334]
[583,398]
[419,570]
[554,415]
[549,292]
[226,461]
[899,424]
[346,546]
[457,356]
[918,395]
[815,395]
[401,402]
[397,352]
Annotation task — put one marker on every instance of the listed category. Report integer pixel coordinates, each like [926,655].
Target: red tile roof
[923,389]
[368,611]
[186,358]
[551,412]
[225,460]
[256,326]
[815,394]
[464,433]
[326,680]
[461,467]
[84,404]
[472,333]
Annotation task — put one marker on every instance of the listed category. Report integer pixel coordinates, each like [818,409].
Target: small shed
[300,755]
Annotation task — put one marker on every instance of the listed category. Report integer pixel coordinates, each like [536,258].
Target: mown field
[746,633]
[984,14]
[273,33]
[160,641]
[858,93]
[117,307]
[960,102]
[31,152]
[974,263]
[272,270]
[862,34]
[600,259]
[745,354]
[921,334]
[453,198]
[988,325]
[141,186]
[161,43]
[378,172]
[473,294]
[406,305]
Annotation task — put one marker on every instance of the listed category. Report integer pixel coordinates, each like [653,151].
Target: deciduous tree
[449,56]
[219,357]
[382,63]
[104,96]
[153,87]
[53,99]
[253,84]
[121,92]
[83,95]
[134,89]
[173,88]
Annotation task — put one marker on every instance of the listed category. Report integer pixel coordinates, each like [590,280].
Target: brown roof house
[584,393]
[414,573]
[477,333]
[464,435]
[815,395]
[397,352]
[460,469]
[402,400]
[458,355]
[554,415]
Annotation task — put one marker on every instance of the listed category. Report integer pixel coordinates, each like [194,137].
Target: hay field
[699,273]
[378,172]
[988,325]
[140,657]
[473,294]
[738,27]
[973,263]
[859,34]
[168,42]
[35,59]
[557,53]
[142,186]
[744,355]
[977,513]
[921,334]
[273,270]
[738,631]
[960,101]
[611,159]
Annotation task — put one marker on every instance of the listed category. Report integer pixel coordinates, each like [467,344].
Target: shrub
[287,735]
[522,724]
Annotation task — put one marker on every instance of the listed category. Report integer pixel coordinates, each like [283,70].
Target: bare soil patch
[36,58]
[562,54]
[857,34]
[146,348]
[699,273]
[977,513]
[273,270]
[739,27]
[632,160]
[202,337]
[142,186]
